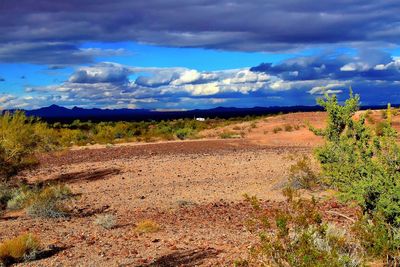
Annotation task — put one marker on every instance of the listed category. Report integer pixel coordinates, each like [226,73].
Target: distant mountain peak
[54,107]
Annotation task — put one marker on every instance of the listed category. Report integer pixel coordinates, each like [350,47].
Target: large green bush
[364,167]
[20,138]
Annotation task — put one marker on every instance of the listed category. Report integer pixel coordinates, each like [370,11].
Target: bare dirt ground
[192,189]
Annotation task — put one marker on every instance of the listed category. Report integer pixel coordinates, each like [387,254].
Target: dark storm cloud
[257,25]
[51,53]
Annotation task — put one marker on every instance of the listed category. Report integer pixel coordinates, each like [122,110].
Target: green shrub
[20,138]
[363,167]
[380,127]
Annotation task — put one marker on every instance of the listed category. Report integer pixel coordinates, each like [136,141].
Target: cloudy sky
[169,54]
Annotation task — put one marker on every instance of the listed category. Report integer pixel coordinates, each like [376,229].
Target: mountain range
[55,113]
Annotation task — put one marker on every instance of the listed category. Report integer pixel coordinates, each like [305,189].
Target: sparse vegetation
[302,174]
[363,166]
[277,130]
[107,221]
[6,193]
[369,118]
[288,128]
[299,237]
[22,248]
[48,202]
[227,135]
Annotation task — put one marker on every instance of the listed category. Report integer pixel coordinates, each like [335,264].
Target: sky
[177,55]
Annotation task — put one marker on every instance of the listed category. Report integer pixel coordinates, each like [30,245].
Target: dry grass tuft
[147,226]
[107,221]
[23,247]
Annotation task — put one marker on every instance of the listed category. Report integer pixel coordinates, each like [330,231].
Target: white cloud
[395,64]
[355,66]
[202,89]
[331,88]
[187,76]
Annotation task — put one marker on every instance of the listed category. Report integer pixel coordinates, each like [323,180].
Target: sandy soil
[193,190]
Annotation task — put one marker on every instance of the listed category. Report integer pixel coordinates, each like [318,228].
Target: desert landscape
[168,133]
[192,191]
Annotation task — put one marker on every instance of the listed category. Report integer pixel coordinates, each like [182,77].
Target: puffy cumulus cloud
[110,84]
[100,73]
[257,25]
[290,82]
[188,76]
[202,89]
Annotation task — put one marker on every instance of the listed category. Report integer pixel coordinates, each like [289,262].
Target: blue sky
[197,53]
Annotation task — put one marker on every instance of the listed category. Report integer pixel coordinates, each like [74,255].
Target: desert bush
[20,138]
[107,221]
[241,263]
[277,130]
[183,133]
[48,202]
[299,237]
[363,167]
[22,248]
[378,238]
[147,226]
[228,135]
[19,197]
[380,128]
[6,193]
[288,128]
[302,174]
